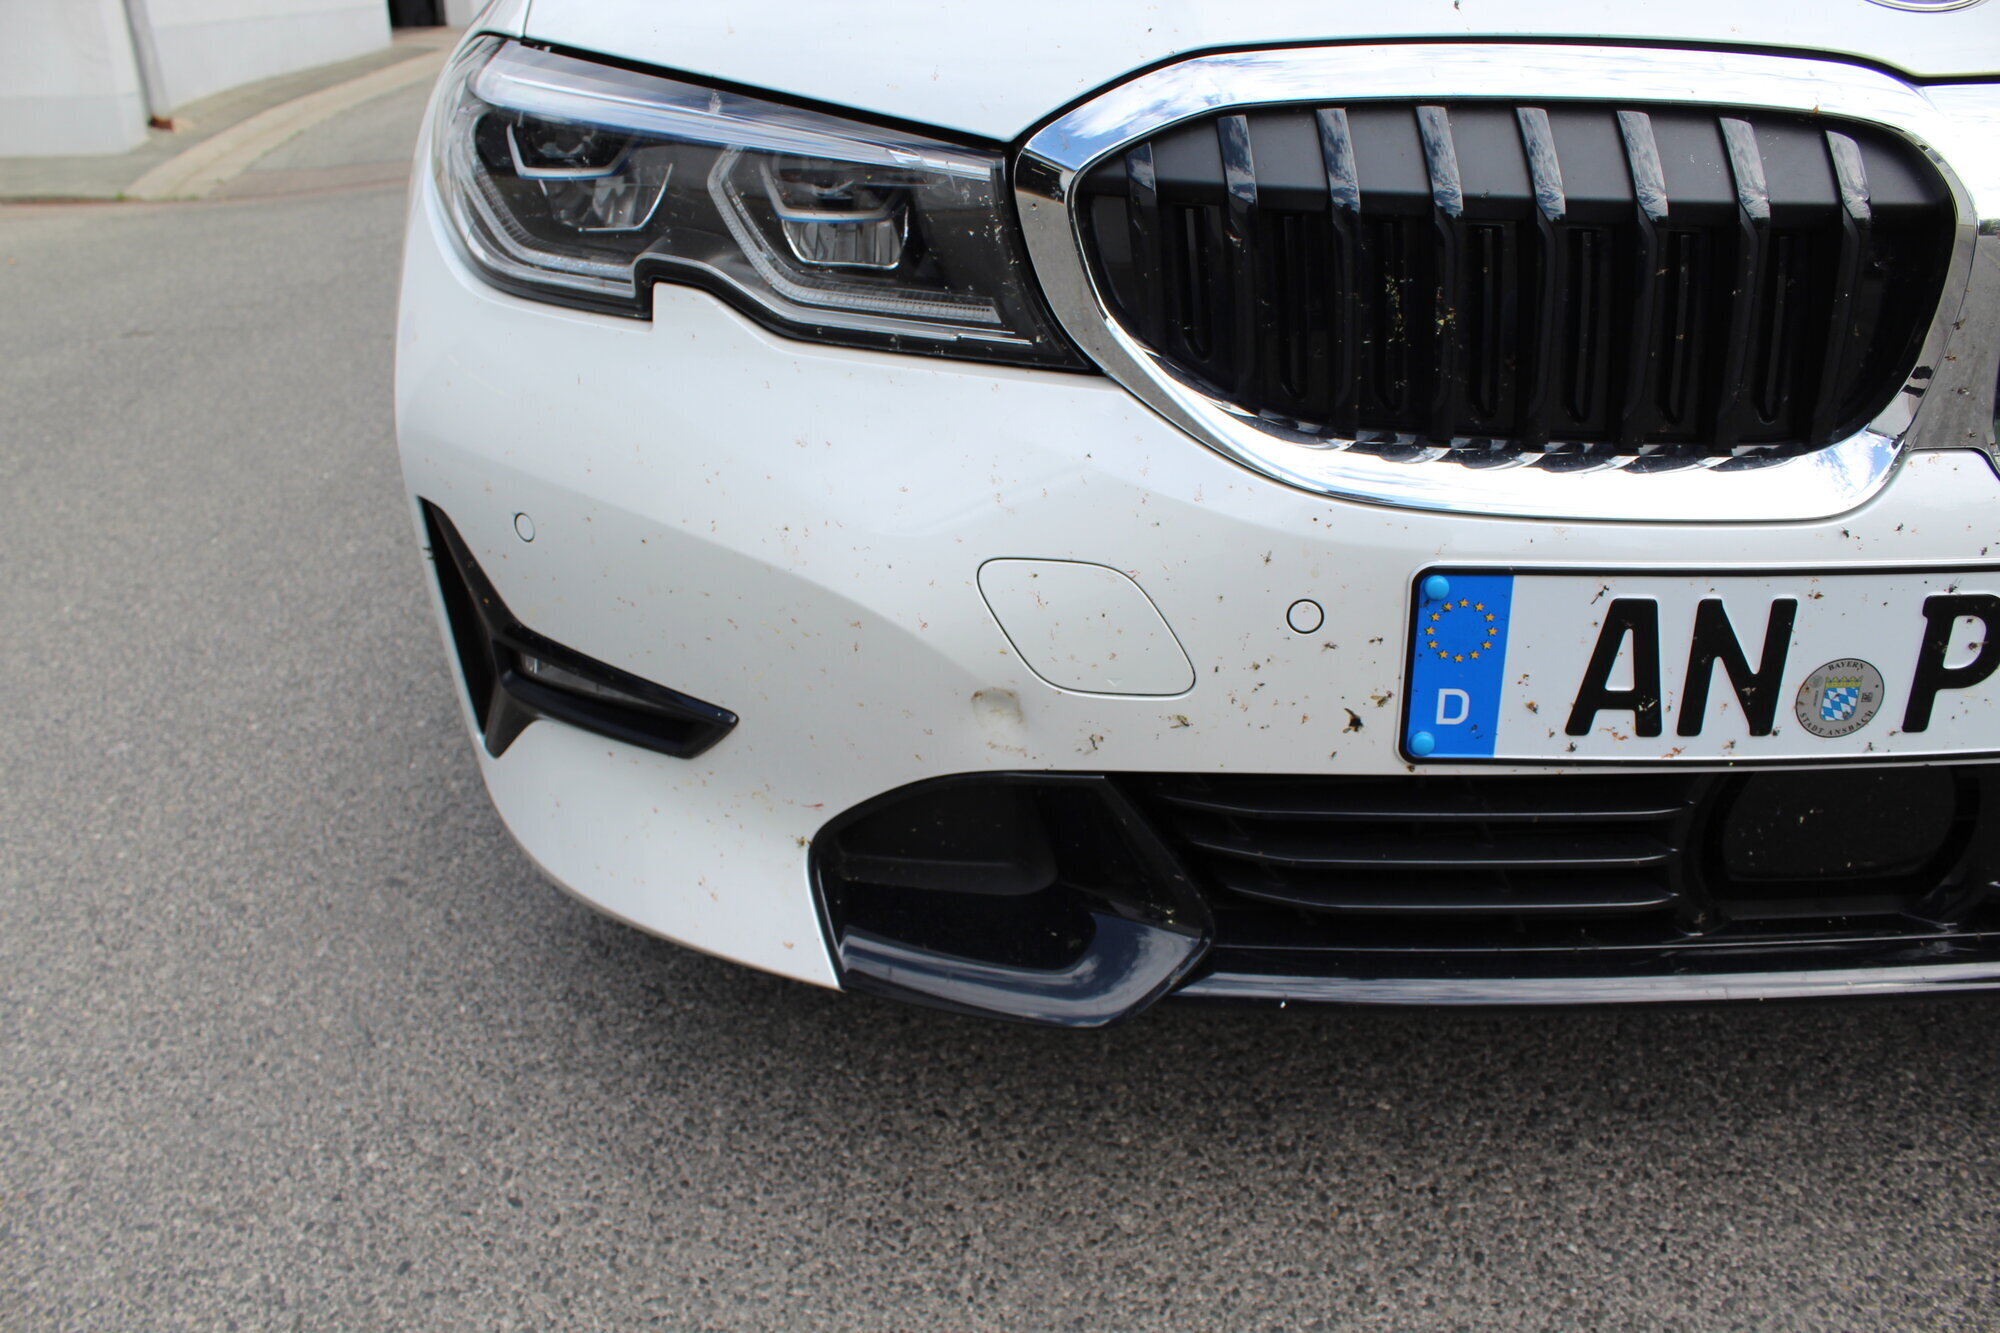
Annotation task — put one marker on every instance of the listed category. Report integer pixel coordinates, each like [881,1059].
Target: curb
[196,173]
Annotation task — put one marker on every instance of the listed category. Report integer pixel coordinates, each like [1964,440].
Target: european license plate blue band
[1458,665]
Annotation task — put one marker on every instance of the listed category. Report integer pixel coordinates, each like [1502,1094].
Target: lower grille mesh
[1433,861]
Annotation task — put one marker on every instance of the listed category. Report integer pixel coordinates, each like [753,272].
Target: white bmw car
[1035,509]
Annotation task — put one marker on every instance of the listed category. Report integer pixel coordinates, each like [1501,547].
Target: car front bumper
[796,533]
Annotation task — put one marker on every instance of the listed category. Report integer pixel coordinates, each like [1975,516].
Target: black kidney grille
[1671,282]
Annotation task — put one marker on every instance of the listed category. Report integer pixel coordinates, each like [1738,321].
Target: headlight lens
[567,180]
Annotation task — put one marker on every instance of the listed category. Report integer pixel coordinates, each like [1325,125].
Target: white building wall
[198,47]
[68,80]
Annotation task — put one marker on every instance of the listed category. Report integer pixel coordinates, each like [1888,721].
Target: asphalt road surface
[292,1037]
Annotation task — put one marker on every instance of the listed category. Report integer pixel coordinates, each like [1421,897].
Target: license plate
[1646,667]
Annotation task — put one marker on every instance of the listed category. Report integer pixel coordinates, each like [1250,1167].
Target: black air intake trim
[496,653]
[1078,898]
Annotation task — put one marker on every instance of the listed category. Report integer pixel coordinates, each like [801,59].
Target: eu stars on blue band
[1458,666]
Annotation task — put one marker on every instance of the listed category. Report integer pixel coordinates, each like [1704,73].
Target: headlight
[567,180]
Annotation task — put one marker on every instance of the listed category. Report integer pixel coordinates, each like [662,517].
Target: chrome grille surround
[1463,476]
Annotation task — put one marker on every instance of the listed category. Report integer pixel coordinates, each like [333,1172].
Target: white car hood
[996,70]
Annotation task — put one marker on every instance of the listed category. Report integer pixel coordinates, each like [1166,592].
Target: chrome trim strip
[1972,111]
[1657,987]
[1742,489]
[1928,6]
[1964,410]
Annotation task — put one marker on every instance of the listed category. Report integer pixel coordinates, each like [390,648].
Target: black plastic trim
[491,641]
[1141,944]
[1128,965]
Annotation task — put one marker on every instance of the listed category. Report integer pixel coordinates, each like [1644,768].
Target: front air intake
[514,676]
[1684,286]
[1078,899]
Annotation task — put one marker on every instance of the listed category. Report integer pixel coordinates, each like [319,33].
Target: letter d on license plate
[1643,667]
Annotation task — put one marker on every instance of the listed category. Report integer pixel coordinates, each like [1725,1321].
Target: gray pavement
[291,1037]
[370,145]
[108,175]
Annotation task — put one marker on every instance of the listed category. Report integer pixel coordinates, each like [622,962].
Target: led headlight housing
[583,183]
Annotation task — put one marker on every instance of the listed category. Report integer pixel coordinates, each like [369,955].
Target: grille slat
[1687,264]
[1589,310]
[1336,142]
[1735,409]
[1551,204]
[1599,285]
[1852,178]
[1448,296]
[1782,307]
[1526,800]
[1510,851]
[1638,417]
[1143,222]
[1446,311]
[1408,894]
[1248,294]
